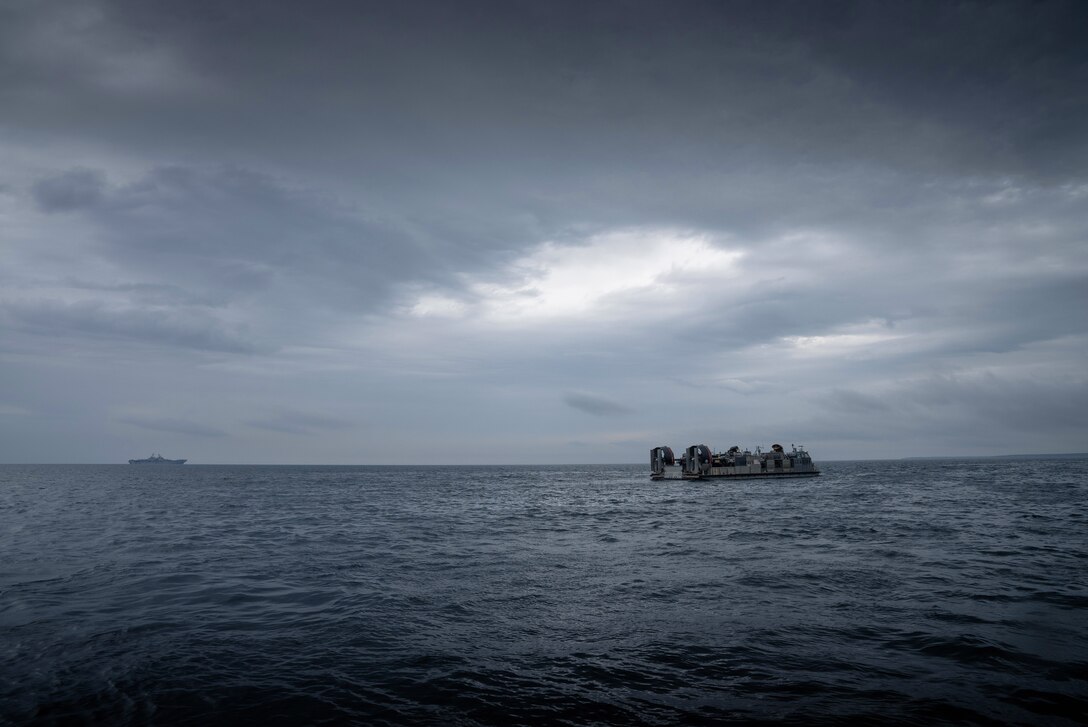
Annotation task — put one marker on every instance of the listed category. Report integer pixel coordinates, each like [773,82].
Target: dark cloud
[1016,406]
[958,413]
[187,328]
[850,402]
[239,230]
[299,423]
[403,92]
[70,191]
[596,405]
[150,294]
[174,426]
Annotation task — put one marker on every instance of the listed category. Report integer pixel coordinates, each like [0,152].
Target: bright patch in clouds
[438,306]
[558,281]
[860,338]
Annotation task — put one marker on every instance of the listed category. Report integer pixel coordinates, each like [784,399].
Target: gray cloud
[403,207]
[174,327]
[595,405]
[70,191]
[299,423]
[174,426]
[854,402]
[738,79]
[956,414]
[149,294]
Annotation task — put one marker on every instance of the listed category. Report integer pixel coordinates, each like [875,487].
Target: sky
[526,232]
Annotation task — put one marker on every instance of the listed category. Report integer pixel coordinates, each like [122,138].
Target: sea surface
[901,592]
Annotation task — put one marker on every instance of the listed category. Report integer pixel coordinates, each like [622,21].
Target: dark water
[901,592]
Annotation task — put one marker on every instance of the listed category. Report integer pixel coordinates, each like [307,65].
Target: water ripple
[907,593]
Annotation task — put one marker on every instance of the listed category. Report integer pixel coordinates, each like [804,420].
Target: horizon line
[1067,455]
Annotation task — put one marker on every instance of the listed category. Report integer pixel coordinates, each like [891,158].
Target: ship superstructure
[157,459]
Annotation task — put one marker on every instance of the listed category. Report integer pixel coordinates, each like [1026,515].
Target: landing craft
[700,463]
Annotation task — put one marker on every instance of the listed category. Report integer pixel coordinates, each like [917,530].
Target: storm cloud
[348,232]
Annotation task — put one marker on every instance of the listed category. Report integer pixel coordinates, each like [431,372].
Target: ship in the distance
[699,462]
[157,459]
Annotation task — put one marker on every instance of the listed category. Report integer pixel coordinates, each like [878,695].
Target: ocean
[899,592]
